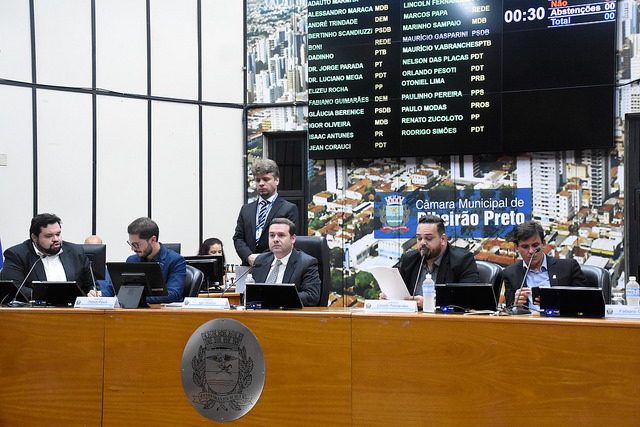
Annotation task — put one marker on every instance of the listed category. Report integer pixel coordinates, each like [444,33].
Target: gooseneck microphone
[93,278]
[14,302]
[516,308]
[247,271]
[415,285]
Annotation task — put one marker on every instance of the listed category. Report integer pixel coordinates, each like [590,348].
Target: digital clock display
[413,78]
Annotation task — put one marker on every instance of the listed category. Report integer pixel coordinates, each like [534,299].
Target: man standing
[284,264]
[436,256]
[44,257]
[543,271]
[249,239]
[143,240]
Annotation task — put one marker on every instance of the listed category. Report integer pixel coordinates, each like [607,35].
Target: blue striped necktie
[262,216]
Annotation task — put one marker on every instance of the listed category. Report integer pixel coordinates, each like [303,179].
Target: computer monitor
[278,296]
[465,297]
[57,294]
[571,301]
[8,291]
[134,281]
[97,255]
[212,266]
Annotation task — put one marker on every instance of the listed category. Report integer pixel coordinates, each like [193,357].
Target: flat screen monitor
[465,297]
[7,291]
[212,266]
[97,255]
[56,294]
[571,301]
[148,274]
[272,296]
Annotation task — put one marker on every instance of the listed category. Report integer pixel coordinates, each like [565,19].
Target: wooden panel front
[455,370]
[51,367]
[307,356]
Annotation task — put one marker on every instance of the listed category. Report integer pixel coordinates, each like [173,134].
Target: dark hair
[285,221]
[42,220]
[433,219]
[206,245]
[144,227]
[265,166]
[526,230]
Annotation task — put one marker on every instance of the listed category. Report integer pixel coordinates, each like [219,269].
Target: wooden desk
[463,370]
[123,367]
[307,356]
[51,367]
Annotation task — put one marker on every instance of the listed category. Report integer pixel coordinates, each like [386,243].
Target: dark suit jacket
[244,238]
[20,258]
[562,272]
[302,269]
[456,266]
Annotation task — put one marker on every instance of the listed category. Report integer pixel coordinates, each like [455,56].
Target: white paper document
[390,282]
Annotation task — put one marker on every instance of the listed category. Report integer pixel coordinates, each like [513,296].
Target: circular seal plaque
[223,370]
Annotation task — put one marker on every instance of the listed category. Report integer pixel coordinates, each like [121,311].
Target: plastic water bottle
[632,290]
[429,294]
[248,279]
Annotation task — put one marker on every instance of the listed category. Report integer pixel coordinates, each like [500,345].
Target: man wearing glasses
[143,240]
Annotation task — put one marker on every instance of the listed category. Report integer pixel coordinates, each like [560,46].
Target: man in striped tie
[285,264]
[249,238]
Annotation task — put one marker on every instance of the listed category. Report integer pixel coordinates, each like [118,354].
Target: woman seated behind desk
[213,246]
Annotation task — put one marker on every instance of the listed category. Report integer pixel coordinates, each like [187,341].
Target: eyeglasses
[135,245]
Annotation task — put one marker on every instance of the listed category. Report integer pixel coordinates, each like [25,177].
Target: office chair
[318,248]
[491,273]
[192,282]
[598,277]
[173,246]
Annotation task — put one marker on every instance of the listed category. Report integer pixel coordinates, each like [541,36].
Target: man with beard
[436,256]
[47,258]
[143,240]
[250,238]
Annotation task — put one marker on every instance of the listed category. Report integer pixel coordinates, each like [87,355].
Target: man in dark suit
[249,239]
[435,256]
[284,264]
[50,259]
[544,270]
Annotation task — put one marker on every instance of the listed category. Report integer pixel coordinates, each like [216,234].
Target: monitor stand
[132,296]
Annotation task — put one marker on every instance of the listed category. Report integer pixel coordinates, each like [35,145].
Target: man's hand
[251,259]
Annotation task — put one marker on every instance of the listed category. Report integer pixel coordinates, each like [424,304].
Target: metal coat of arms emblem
[223,370]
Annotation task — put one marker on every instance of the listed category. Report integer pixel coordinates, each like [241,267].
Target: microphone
[247,271]
[517,309]
[415,285]
[93,278]
[14,302]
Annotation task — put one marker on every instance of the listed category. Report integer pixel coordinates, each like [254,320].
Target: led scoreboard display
[412,78]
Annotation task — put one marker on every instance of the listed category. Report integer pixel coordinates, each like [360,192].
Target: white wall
[64,119]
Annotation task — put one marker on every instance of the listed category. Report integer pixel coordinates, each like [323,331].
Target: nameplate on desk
[622,311]
[96,302]
[206,303]
[390,306]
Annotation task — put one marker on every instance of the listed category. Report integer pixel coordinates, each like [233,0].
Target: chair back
[318,248]
[599,278]
[192,282]
[491,273]
[173,246]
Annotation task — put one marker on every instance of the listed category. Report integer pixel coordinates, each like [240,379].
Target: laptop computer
[571,301]
[7,291]
[57,294]
[272,296]
[465,297]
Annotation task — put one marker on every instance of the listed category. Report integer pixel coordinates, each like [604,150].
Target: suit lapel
[551,270]
[291,265]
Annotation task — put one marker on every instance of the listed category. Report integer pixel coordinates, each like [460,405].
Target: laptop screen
[464,297]
[278,296]
[58,294]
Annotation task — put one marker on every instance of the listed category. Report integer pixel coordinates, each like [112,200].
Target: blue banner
[466,213]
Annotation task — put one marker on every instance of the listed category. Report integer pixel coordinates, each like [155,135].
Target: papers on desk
[390,282]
